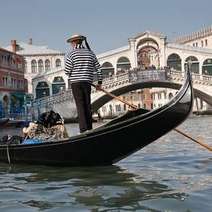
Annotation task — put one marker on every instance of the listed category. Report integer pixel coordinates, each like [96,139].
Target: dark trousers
[82,95]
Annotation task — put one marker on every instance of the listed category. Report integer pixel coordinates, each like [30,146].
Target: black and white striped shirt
[81,65]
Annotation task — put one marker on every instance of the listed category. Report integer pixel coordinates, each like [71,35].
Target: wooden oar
[177,130]
[193,139]
[116,97]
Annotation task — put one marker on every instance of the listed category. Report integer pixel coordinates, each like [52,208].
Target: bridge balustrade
[132,76]
[149,75]
[197,78]
[207,78]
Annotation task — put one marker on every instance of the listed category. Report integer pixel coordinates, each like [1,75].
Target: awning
[19,96]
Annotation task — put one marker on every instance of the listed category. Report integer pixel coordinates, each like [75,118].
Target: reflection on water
[105,187]
[172,174]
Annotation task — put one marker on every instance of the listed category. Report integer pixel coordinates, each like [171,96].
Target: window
[170,95]
[202,44]
[207,67]
[58,85]
[206,42]
[34,66]
[118,108]
[192,63]
[40,66]
[107,69]
[47,65]
[123,63]
[164,95]
[58,63]
[25,66]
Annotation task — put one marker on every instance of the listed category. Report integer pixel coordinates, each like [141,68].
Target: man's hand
[99,87]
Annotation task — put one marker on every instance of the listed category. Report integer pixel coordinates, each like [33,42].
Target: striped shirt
[81,64]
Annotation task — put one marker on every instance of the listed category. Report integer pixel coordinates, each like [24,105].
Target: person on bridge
[80,65]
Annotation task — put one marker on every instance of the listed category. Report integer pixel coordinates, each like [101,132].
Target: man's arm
[68,65]
[98,70]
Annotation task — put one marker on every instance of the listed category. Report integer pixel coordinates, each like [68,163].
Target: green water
[172,174]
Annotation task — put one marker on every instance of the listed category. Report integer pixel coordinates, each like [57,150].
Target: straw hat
[75,37]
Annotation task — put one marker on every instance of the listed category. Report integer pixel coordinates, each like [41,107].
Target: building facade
[13,85]
[37,60]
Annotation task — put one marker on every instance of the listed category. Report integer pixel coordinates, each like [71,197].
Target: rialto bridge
[146,51]
[63,102]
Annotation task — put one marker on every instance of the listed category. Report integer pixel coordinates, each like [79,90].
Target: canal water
[172,174]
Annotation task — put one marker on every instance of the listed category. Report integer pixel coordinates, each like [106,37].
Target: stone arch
[192,63]
[107,69]
[58,85]
[123,64]
[42,89]
[148,53]
[207,67]
[174,61]
[147,42]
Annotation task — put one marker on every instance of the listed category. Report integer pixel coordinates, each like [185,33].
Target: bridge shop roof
[114,51]
[29,49]
[191,48]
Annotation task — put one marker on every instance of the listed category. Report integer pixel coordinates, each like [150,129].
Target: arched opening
[58,85]
[192,63]
[47,65]
[148,54]
[207,67]
[42,90]
[5,106]
[16,103]
[170,96]
[174,61]
[123,64]
[58,63]
[34,66]
[40,66]
[107,69]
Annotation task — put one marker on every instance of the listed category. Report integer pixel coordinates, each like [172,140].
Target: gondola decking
[3,121]
[110,143]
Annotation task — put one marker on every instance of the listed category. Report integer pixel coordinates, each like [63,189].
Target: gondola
[15,123]
[111,142]
[3,121]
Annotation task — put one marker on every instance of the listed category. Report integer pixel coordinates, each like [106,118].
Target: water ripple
[172,174]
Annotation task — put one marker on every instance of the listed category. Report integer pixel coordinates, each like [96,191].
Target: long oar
[194,139]
[116,97]
[177,130]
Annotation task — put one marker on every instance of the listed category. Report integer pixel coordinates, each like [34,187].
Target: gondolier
[80,66]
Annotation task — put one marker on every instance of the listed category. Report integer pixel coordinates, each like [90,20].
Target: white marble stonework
[158,52]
